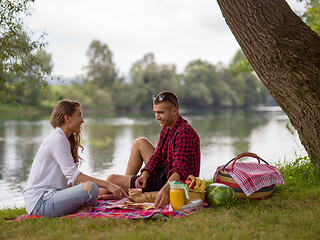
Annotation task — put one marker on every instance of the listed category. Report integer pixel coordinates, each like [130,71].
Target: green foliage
[239,64]
[127,97]
[206,85]
[311,16]
[33,93]
[89,95]
[74,92]
[101,69]
[301,173]
[20,63]
[202,85]
[249,89]
[102,99]
[149,78]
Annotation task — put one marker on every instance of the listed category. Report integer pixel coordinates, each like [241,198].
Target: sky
[175,31]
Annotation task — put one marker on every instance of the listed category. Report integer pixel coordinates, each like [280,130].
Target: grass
[292,212]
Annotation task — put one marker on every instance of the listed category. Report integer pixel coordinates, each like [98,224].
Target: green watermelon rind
[219,195]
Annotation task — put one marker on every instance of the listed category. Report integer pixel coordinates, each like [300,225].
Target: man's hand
[162,198]
[142,180]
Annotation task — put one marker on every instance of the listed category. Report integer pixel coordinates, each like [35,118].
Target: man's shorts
[154,183]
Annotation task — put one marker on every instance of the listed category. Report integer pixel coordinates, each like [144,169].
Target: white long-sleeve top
[53,169]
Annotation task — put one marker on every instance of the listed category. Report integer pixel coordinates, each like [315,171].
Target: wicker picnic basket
[225,178]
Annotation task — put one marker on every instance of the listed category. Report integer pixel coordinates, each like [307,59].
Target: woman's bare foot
[102,191]
[84,209]
[109,196]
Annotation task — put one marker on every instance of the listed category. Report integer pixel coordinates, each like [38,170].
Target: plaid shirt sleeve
[157,159]
[186,154]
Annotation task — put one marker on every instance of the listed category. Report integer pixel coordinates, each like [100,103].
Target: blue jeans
[67,201]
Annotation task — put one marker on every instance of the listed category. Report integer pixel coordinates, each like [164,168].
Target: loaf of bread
[144,197]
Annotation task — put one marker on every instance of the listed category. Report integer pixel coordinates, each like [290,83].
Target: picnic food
[195,183]
[134,191]
[218,194]
[143,197]
[139,206]
[176,198]
[196,188]
[190,183]
[179,193]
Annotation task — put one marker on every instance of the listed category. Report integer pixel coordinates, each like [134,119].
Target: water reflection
[107,141]
[2,143]
[20,142]
[228,127]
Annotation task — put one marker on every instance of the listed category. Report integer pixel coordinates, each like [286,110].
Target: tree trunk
[285,54]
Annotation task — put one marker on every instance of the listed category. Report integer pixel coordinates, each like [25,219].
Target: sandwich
[134,191]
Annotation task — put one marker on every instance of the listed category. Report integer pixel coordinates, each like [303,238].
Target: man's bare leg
[141,151]
[120,180]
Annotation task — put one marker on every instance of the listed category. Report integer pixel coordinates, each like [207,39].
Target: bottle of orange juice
[177,194]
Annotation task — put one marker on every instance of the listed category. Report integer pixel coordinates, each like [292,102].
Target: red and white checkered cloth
[251,177]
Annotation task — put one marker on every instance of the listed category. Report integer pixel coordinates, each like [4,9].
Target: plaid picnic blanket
[115,209]
[251,177]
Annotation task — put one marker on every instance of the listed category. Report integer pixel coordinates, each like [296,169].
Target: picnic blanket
[117,210]
[251,177]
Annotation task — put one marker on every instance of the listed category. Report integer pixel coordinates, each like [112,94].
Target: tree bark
[285,54]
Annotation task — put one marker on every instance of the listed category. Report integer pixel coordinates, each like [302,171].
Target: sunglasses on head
[161,97]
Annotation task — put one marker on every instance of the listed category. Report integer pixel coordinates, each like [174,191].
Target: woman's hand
[116,190]
[109,187]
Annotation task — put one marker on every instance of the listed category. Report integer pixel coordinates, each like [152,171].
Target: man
[176,156]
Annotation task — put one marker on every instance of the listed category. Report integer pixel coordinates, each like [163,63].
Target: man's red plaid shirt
[179,148]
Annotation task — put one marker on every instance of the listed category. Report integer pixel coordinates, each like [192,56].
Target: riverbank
[12,110]
[18,109]
[292,212]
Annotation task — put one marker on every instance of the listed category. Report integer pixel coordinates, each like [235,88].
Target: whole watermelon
[218,194]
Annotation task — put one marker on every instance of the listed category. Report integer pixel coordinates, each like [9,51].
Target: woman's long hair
[62,108]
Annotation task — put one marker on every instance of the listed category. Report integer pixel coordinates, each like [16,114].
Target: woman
[55,186]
